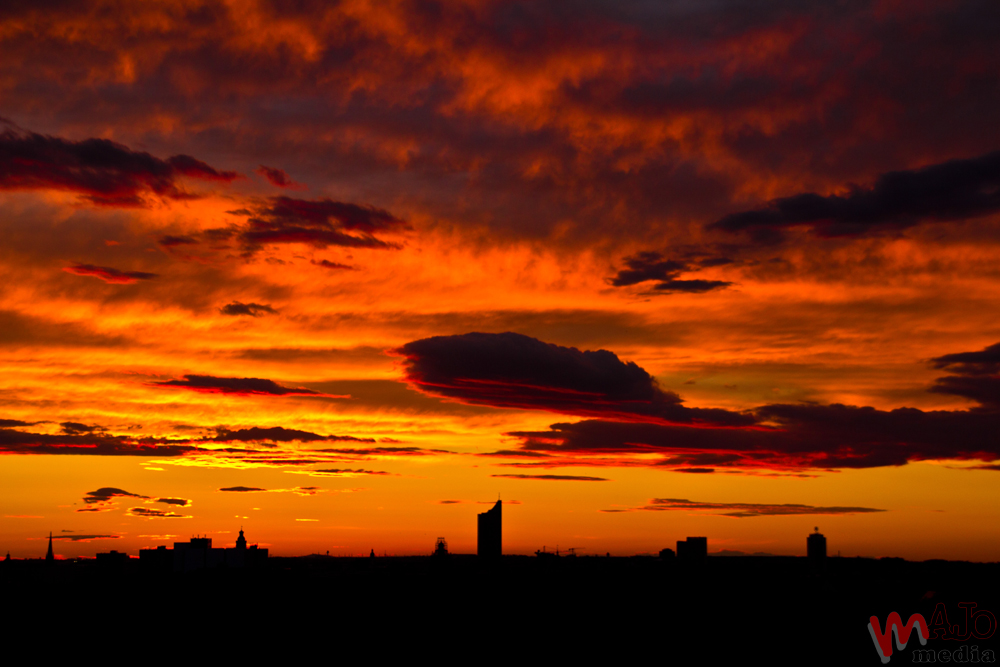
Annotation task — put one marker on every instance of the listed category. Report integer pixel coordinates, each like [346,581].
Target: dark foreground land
[465,609]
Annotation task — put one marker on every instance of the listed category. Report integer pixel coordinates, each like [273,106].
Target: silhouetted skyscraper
[816,546]
[49,557]
[491,532]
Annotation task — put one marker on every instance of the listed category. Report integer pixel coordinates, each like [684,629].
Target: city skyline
[342,274]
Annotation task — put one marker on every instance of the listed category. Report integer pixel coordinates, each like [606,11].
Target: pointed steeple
[49,557]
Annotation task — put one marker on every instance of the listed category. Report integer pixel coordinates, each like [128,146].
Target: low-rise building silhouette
[693,549]
[490,534]
[112,560]
[199,554]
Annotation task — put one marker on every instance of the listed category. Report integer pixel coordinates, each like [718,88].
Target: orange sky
[361,260]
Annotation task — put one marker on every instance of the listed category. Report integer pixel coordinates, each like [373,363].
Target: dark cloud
[101,499]
[251,309]
[180,502]
[984,389]
[84,439]
[85,538]
[277,177]
[93,444]
[319,223]
[635,417]
[327,264]
[953,190]
[8,423]
[106,493]
[561,478]
[514,371]
[76,428]
[976,376]
[108,274]
[149,513]
[237,386]
[794,437]
[103,172]
[450,502]
[689,286]
[171,241]
[983,362]
[516,453]
[349,471]
[744,510]
[243,489]
[648,266]
[275,434]
[653,266]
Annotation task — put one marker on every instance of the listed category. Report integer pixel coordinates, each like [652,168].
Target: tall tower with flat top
[816,547]
[491,532]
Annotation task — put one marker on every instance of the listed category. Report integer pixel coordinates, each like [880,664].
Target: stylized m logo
[894,625]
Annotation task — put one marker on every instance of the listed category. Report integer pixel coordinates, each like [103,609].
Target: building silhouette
[490,543]
[49,556]
[693,549]
[816,546]
[441,547]
[198,554]
[112,560]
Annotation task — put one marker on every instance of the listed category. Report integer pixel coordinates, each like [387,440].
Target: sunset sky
[341,273]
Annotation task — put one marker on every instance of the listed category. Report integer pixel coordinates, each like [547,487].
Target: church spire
[49,557]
